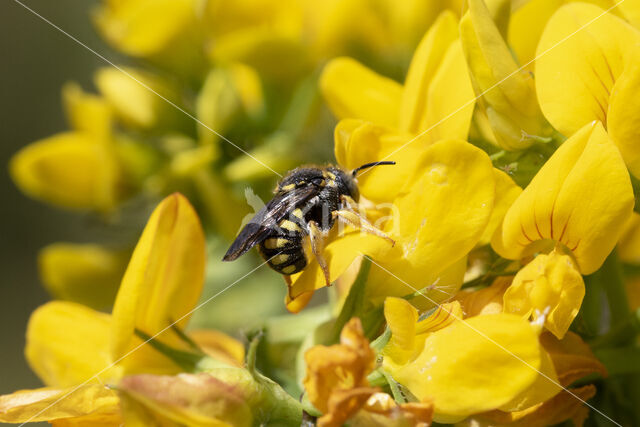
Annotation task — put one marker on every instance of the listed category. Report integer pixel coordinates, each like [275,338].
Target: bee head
[346,181]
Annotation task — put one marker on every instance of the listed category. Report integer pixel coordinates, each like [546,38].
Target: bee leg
[315,236]
[348,202]
[287,279]
[354,219]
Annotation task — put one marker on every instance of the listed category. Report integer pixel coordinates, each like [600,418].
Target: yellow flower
[528,20]
[262,34]
[69,344]
[77,169]
[580,198]
[85,273]
[572,360]
[144,28]
[134,97]
[508,96]
[466,366]
[592,75]
[436,101]
[336,383]
[578,203]
[551,287]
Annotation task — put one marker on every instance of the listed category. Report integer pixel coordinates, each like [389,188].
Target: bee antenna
[369,165]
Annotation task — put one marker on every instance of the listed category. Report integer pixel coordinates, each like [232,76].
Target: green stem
[379,343]
[621,334]
[252,353]
[377,378]
[613,284]
[354,301]
[398,396]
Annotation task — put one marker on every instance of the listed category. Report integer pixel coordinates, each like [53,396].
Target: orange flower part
[338,367]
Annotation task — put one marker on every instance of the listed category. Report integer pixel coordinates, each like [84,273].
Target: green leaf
[355,300]
[620,361]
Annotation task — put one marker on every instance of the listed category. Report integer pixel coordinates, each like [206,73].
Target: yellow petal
[401,319]
[354,91]
[543,388]
[548,286]
[162,283]
[624,111]
[450,99]
[630,11]
[136,96]
[358,142]
[248,85]
[68,344]
[88,274]
[144,27]
[187,399]
[581,197]
[216,106]
[409,19]
[443,316]
[226,92]
[339,255]
[92,404]
[579,68]
[484,301]
[86,112]
[507,191]
[425,63]
[474,365]
[219,345]
[273,54]
[72,170]
[527,24]
[388,279]
[338,367]
[441,218]
[509,94]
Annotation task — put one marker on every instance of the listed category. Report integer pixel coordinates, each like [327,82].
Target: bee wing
[266,220]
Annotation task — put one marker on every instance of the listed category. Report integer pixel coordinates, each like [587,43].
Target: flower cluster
[507,289]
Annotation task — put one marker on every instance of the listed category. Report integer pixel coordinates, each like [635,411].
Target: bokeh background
[36,59]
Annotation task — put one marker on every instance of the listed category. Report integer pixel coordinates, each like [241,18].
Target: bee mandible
[307,202]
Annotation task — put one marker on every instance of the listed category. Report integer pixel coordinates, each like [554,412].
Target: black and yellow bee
[306,204]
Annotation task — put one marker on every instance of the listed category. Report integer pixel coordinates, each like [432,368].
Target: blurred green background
[36,60]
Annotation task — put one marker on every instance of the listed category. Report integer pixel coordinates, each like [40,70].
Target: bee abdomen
[284,254]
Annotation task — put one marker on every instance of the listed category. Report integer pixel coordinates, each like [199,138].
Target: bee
[307,203]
